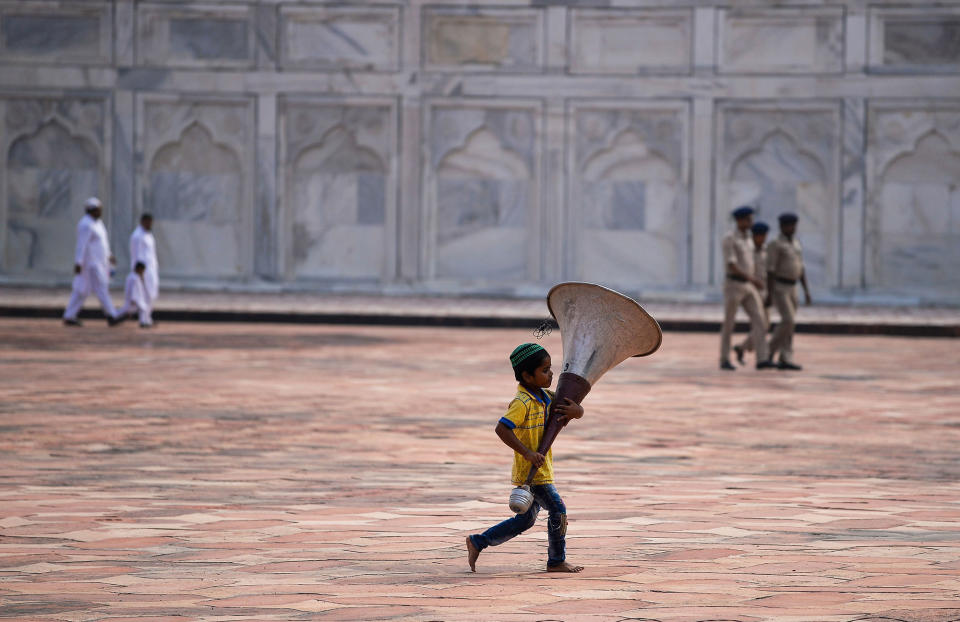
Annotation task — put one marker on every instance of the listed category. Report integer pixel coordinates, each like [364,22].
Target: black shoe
[766,364]
[113,321]
[739,351]
[784,365]
[72,323]
[726,366]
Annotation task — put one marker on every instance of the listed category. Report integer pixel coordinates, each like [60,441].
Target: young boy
[521,430]
[135,296]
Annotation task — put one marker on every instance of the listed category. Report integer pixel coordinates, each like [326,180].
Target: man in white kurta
[143,249]
[91,268]
[135,297]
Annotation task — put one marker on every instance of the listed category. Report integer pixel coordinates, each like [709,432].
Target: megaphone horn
[600,328]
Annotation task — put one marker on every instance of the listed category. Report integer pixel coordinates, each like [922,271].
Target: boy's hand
[568,410]
[534,458]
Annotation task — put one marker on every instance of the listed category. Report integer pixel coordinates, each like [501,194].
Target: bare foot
[472,555]
[564,567]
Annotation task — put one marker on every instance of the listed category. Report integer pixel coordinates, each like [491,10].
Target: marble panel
[53,158]
[196,181]
[779,161]
[854,179]
[781,40]
[195,35]
[609,41]
[335,38]
[629,205]
[503,40]
[38,32]
[915,39]
[913,217]
[339,185]
[483,193]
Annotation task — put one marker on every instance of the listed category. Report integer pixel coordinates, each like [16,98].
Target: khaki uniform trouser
[785,300]
[747,344]
[736,294]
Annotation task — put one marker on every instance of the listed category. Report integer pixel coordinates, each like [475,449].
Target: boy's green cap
[523,352]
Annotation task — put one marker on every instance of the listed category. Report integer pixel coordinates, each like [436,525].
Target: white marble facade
[498,146]
[52,153]
[339,189]
[780,158]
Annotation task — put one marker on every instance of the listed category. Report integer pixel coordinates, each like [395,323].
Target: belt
[736,277]
[780,279]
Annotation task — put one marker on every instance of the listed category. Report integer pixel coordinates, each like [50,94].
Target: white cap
[91,203]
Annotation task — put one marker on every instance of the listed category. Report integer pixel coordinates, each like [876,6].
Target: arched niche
[338,211]
[195,194]
[483,195]
[917,218]
[779,176]
[49,173]
[630,227]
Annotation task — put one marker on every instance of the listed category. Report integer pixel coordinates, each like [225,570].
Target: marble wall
[498,146]
[196,178]
[339,201]
[52,156]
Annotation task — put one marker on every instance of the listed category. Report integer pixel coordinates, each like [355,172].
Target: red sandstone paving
[240,472]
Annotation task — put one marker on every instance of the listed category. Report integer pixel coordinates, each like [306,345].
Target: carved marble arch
[932,159]
[628,158]
[336,182]
[337,152]
[196,178]
[338,210]
[778,156]
[50,170]
[63,166]
[483,194]
[778,176]
[914,220]
[196,150]
[483,156]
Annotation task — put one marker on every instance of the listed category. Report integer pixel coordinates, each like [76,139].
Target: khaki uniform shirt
[785,258]
[738,250]
[760,263]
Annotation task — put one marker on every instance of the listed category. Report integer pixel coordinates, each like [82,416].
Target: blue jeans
[544,495]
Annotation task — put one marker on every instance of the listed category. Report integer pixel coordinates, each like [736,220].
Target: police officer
[785,268]
[741,288]
[759,231]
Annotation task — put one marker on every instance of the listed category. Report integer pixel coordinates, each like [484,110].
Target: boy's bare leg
[564,567]
[472,555]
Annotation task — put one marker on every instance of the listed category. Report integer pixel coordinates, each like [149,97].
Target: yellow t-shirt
[527,417]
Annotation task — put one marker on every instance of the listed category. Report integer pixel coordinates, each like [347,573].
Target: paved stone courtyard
[267,472]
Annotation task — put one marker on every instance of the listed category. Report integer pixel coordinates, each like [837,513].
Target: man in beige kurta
[740,288]
[759,232]
[785,268]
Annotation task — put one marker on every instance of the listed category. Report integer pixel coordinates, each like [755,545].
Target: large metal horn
[600,329]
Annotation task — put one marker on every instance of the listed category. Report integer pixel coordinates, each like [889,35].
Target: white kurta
[143,248]
[135,297]
[93,256]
